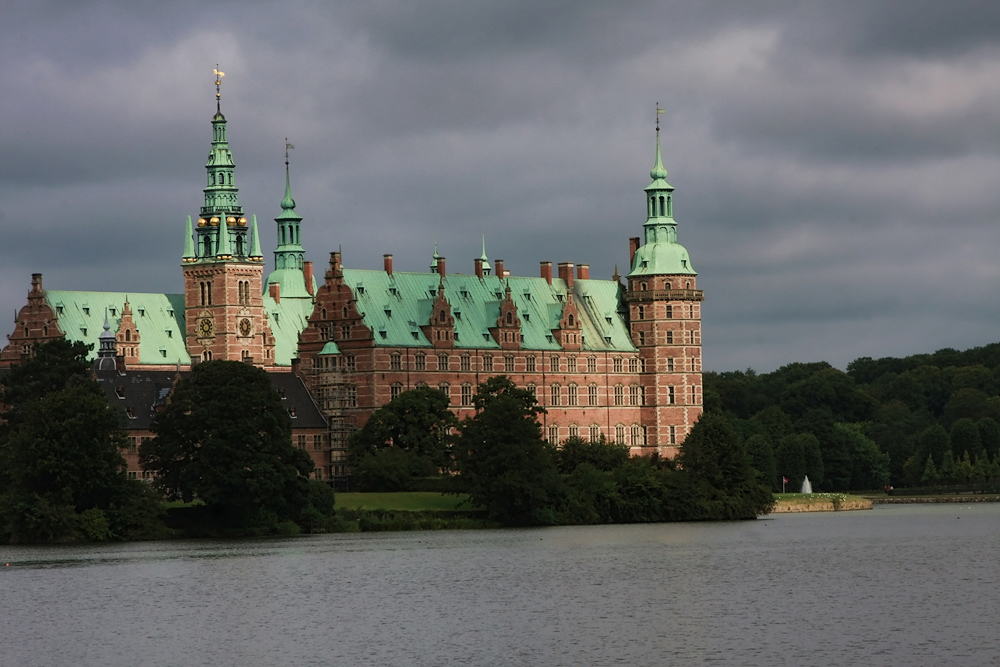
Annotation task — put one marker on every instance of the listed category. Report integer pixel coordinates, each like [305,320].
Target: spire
[658,172]
[255,254]
[287,204]
[218,91]
[224,251]
[189,253]
[485,260]
[434,258]
[106,341]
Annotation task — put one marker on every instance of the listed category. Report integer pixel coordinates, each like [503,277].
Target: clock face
[206,328]
[245,327]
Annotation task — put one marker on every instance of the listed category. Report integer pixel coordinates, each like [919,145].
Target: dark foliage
[225,439]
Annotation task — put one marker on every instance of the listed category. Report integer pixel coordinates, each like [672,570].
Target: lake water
[900,585]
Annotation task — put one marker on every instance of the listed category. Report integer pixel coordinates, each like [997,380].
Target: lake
[900,585]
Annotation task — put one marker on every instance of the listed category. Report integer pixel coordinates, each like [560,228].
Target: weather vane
[658,112]
[218,84]
[288,147]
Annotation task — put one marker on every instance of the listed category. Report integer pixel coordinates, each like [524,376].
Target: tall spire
[189,253]
[289,254]
[485,259]
[287,203]
[658,172]
[255,254]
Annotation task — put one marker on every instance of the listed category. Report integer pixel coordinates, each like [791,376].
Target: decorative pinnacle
[658,171]
[218,86]
[483,256]
[287,203]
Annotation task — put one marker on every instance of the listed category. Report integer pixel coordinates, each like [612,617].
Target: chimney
[547,271]
[307,269]
[479,268]
[274,289]
[633,245]
[36,282]
[583,271]
[498,263]
[387,263]
[440,270]
[566,273]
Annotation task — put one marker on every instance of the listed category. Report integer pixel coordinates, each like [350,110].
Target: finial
[218,87]
[107,324]
[658,171]
[483,256]
[287,203]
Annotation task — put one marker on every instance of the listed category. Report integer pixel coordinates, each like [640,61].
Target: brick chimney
[547,271]
[566,273]
[498,263]
[479,268]
[387,263]
[36,282]
[440,270]
[274,289]
[583,271]
[633,245]
[307,270]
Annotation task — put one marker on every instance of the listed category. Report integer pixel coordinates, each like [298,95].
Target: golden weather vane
[288,147]
[659,110]
[218,81]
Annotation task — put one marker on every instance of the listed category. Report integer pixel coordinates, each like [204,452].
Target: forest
[925,420]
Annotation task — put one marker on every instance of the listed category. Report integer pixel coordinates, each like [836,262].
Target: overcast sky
[836,163]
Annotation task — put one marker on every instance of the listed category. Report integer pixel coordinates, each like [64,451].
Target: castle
[603,358]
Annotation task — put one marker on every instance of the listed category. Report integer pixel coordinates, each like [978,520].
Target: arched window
[345,312]
[323,313]
[592,395]
[663,208]
[619,394]
[239,244]
[571,321]
[620,434]
[572,395]
[442,316]
[395,362]
[208,246]
[595,432]
[554,434]
[574,431]
[128,335]
[510,318]
[555,391]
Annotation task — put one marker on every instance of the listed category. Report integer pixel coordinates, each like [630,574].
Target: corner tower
[664,306]
[292,276]
[223,266]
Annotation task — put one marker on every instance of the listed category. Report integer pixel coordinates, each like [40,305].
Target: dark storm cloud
[835,162]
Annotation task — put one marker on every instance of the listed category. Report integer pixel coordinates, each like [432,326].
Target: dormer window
[433,292]
[392,291]
[86,311]
[465,294]
[559,298]
[526,316]
[388,313]
[59,310]
[361,290]
[142,312]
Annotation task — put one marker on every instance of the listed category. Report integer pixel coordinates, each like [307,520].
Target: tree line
[922,420]
[500,460]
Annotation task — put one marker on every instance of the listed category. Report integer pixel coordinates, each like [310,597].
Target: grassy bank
[818,502]
[412,501]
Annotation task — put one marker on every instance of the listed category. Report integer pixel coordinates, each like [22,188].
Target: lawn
[809,498]
[415,501]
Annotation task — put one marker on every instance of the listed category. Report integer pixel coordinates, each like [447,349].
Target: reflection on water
[907,585]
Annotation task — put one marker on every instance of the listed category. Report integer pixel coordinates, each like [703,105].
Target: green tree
[601,454]
[226,439]
[762,460]
[965,437]
[791,462]
[948,472]
[725,485]
[963,469]
[506,466]
[62,476]
[869,464]
[930,476]
[813,459]
[933,441]
[989,435]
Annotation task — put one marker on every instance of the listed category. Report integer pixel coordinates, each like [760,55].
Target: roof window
[464,293]
[433,292]
[86,311]
[361,289]
[59,310]
[526,316]
[163,353]
[392,291]
[486,336]
[458,314]
[382,332]
[170,334]
[416,335]
[83,331]
[388,313]
[559,297]
[142,312]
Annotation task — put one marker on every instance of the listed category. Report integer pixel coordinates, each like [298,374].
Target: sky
[835,164]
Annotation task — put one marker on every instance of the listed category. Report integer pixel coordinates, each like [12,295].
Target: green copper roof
[287,318]
[661,259]
[395,307]
[159,319]
[189,240]
[292,283]
[255,252]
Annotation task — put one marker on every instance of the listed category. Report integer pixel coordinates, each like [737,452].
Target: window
[554,434]
[352,395]
[670,311]
[595,432]
[554,363]
[554,392]
[395,390]
[591,364]
[618,364]
[670,338]
[530,364]
[620,434]
[571,364]
[638,435]
[691,396]
[619,394]
[508,363]
[442,362]
[466,362]
[351,363]
[670,365]
[633,365]
[445,389]
[345,331]
[488,362]
[640,313]
[634,395]
[395,362]
[696,338]
[670,396]
[592,394]
[534,390]
[301,440]
[574,431]
[420,362]
[133,446]
[572,393]
[318,442]
[673,435]
[466,394]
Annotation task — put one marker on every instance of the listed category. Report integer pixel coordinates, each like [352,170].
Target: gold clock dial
[245,327]
[206,328]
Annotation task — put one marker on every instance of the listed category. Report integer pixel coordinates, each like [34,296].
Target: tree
[417,421]
[226,439]
[791,462]
[725,485]
[930,476]
[62,475]
[989,435]
[965,437]
[506,467]
[762,460]
[601,454]
[869,464]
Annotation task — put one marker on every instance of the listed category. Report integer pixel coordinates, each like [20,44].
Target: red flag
[785,480]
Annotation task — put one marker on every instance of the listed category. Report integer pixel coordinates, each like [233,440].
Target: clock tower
[224,267]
